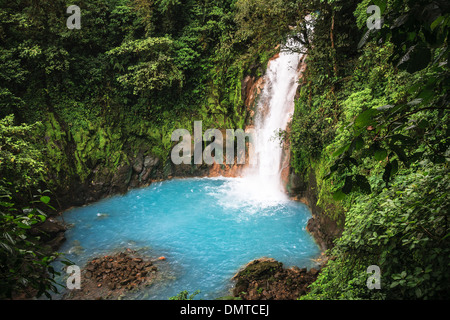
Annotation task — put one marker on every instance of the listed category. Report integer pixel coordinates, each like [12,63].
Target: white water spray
[275,109]
[261,184]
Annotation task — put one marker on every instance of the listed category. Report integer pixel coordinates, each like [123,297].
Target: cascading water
[261,184]
[278,96]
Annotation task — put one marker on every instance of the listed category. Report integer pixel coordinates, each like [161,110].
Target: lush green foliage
[24,264]
[75,104]
[373,124]
[414,124]
[407,237]
[371,118]
[20,161]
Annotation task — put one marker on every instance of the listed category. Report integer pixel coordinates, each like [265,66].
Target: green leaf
[380,154]
[436,22]
[6,204]
[382,4]
[418,292]
[400,154]
[341,150]
[387,172]
[359,143]
[416,58]
[23,225]
[363,184]
[366,118]
[45,199]
[394,168]
[348,185]
[338,195]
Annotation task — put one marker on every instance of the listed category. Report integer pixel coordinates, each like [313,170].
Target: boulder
[110,275]
[50,232]
[138,164]
[150,161]
[266,279]
[121,179]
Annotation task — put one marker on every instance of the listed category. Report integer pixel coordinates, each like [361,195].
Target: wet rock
[150,161]
[110,276]
[266,279]
[121,179]
[314,271]
[138,164]
[47,230]
[51,234]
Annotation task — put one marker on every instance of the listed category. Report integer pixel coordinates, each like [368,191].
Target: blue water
[205,232]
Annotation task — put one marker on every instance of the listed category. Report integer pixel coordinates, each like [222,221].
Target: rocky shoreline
[114,277]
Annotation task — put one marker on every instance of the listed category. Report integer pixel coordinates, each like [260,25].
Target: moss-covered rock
[266,279]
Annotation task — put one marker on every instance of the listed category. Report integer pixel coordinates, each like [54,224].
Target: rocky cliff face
[144,168]
[141,171]
[324,229]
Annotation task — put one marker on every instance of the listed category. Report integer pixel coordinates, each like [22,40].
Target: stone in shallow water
[266,279]
[110,275]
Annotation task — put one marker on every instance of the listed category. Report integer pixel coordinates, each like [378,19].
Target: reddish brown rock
[110,276]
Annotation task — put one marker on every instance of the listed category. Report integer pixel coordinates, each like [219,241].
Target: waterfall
[261,184]
[274,110]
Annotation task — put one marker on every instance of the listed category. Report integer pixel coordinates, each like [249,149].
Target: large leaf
[390,170]
[387,173]
[416,58]
[366,118]
[341,150]
[400,154]
[380,154]
[405,140]
[348,185]
[382,4]
[363,184]
[45,199]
